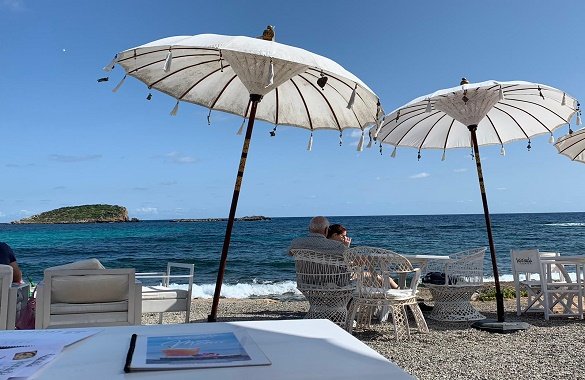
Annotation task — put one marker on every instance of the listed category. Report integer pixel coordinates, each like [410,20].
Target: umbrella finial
[268,33]
[463,81]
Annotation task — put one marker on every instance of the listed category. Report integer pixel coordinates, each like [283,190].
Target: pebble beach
[547,350]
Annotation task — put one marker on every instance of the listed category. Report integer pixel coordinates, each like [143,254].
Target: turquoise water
[257,262]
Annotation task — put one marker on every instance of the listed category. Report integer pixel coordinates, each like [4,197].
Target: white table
[422,261]
[298,349]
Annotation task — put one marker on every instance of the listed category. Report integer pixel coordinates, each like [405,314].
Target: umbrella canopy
[220,72]
[573,146]
[235,74]
[477,114]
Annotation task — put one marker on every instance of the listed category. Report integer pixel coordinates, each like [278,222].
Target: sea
[258,264]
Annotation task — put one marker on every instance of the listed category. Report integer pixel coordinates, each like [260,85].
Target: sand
[552,349]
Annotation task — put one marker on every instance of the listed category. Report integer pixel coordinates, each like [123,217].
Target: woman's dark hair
[335,229]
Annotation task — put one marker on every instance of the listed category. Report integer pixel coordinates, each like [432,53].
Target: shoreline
[450,350]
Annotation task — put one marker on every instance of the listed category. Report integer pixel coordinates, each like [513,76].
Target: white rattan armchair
[374,270]
[463,277]
[325,280]
[13,297]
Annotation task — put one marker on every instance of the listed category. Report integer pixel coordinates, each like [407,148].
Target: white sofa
[84,293]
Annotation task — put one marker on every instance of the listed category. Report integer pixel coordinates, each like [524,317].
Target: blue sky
[67,140]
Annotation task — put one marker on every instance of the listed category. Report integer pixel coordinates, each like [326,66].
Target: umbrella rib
[539,105]
[170,48]
[573,144]
[429,132]
[403,120]
[448,132]
[184,68]
[277,105]
[199,81]
[529,114]
[326,101]
[339,93]
[515,121]
[494,128]
[162,60]
[221,92]
[304,103]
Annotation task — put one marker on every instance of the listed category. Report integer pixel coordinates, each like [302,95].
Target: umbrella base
[493,326]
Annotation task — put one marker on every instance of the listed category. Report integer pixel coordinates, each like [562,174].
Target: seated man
[7,258]
[317,240]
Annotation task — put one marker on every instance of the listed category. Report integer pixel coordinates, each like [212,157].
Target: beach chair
[13,297]
[85,294]
[463,276]
[545,277]
[372,268]
[325,281]
[168,295]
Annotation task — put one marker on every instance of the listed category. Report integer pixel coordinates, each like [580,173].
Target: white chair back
[526,262]
[5,282]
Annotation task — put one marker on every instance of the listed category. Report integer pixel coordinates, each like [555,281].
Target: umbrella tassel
[175,109]
[370,140]
[393,155]
[209,117]
[528,146]
[564,101]
[397,115]
[418,156]
[540,92]
[270,74]
[110,66]
[443,156]
[501,93]
[340,138]
[360,146]
[578,122]
[551,139]
[380,148]
[502,151]
[241,130]
[352,97]
[310,145]
[429,106]
[167,65]
[119,84]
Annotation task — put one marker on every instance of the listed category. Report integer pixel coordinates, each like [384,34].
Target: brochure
[168,352]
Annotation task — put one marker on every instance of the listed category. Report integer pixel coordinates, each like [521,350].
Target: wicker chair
[373,268]
[325,281]
[463,277]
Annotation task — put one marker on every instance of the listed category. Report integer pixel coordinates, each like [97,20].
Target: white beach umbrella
[573,146]
[256,78]
[476,114]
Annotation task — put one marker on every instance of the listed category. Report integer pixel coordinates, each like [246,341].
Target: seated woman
[339,233]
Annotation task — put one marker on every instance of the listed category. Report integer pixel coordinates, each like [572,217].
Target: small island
[99,213]
[255,218]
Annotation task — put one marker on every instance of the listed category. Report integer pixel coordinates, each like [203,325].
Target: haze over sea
[257,261]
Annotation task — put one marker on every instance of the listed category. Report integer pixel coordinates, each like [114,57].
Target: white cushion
[161,292]
[390,293]
[81,264]
[89,289]
[83,308]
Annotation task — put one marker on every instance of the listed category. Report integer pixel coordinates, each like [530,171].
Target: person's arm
[16,272]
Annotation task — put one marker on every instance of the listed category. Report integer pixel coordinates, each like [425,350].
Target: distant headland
[255,218]
[99,213]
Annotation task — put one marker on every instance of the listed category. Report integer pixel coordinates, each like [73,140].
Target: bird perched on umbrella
[268,33]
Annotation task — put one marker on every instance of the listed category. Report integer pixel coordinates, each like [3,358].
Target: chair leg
[419,318]
[160,318]
[400,321]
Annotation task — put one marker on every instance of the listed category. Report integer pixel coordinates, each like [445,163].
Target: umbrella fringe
[360,146]
[370,140]
[502,151]
[119,84]
[175,109]
[443,156]
[209,117]
[110,66]
[429,106]
[310,145]
[167,65]
[241,127]
[352,97]
[501,93]
[393,154]
[564,101]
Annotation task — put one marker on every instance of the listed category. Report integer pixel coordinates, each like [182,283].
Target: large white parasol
[573,145]
[479,114]
[256,78]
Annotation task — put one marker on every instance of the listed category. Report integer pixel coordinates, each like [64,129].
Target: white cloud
[147,210]
[14,5]
[419,175]
[501,188]
[68,159]
[179,158]
[462,170]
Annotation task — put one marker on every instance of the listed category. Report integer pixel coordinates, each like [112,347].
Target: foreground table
[298,349]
